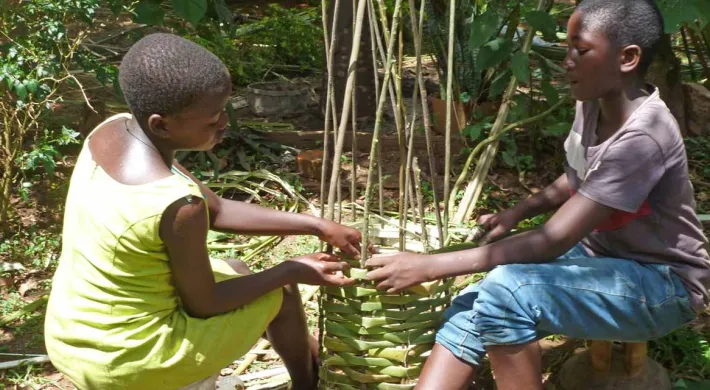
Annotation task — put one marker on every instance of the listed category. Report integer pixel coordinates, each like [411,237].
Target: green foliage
[494,53]
[46,150]
[191,10]
[287,42]
[685,351]
[33,247]
[149,12]
[677,13]
[544,23]
[520,63]
[36,52]
[483,28]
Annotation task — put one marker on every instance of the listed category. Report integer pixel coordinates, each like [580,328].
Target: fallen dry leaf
[26,286]
[6,283]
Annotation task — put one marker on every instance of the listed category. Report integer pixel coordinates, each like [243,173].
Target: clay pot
[459,115]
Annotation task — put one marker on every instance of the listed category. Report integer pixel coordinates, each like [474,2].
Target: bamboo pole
[329,49]
[353,172]
[492,138]
[376,80]
[347,100]
[376,131]
[699,51]
[686,48]
[449,100]
[399,114]
[418,31]
[401,141]
[410,134]
[420,202]
[473,190]
[383,57]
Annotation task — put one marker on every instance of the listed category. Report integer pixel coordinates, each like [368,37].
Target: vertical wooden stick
[376,79]
[635,358]
[473,190]
[418,31]
[401,141]
[600,353]
[420,203]
[347,101]
[449,100]
[699,51]
[329,112]
[686,48]
[378,120]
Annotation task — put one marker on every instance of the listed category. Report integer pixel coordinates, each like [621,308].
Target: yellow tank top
[114,319]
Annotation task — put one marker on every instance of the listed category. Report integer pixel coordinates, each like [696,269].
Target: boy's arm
[573,221]
[243,218]
[183,229]
[550,198]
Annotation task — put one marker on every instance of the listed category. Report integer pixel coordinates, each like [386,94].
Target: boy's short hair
[626,22]
[164,74]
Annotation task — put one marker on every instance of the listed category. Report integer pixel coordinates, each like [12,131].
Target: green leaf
[191,10]
[493,53]
[223,12]
[500,83]
[508,159]
[543,22]
[676,13]
[149,12]
[21,90]
[483,28]
[549,92]
[558,129]
[31,86]
[520,63]
[474,131]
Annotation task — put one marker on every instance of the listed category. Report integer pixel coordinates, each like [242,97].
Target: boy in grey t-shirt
[623,257]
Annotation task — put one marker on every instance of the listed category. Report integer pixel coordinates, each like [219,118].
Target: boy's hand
[320,269]
[342,237]
[397,271]
[497,225]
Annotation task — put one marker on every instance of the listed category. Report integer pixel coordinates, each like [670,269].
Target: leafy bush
[285,42]
[36,51]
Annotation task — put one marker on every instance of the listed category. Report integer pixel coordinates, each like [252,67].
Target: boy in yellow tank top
[136,302]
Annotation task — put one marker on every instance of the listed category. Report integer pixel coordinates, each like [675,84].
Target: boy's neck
[617,106]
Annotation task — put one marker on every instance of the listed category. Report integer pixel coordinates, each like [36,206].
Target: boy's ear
[630,58]
[157,124]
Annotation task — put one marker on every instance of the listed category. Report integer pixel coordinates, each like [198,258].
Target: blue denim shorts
[580,296]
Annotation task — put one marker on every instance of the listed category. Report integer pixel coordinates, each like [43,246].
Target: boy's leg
[516,366]
[288,334]
[444,370]
[578,296]
[458,351]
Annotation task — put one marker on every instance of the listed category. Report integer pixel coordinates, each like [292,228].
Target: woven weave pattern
[374,340]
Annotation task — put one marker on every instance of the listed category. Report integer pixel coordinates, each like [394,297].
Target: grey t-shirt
[642,172]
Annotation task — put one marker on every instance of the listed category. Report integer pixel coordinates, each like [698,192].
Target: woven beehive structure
[371,339]
[375,340]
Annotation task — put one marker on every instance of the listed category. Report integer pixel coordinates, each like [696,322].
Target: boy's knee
[502,280]
[239,267]
[504,314]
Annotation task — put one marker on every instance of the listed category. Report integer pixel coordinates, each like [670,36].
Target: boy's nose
[567,63]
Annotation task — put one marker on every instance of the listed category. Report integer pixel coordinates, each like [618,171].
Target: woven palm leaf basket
[375,340]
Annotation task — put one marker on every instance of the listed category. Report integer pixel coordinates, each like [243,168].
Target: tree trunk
[365,87]
[664,72]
